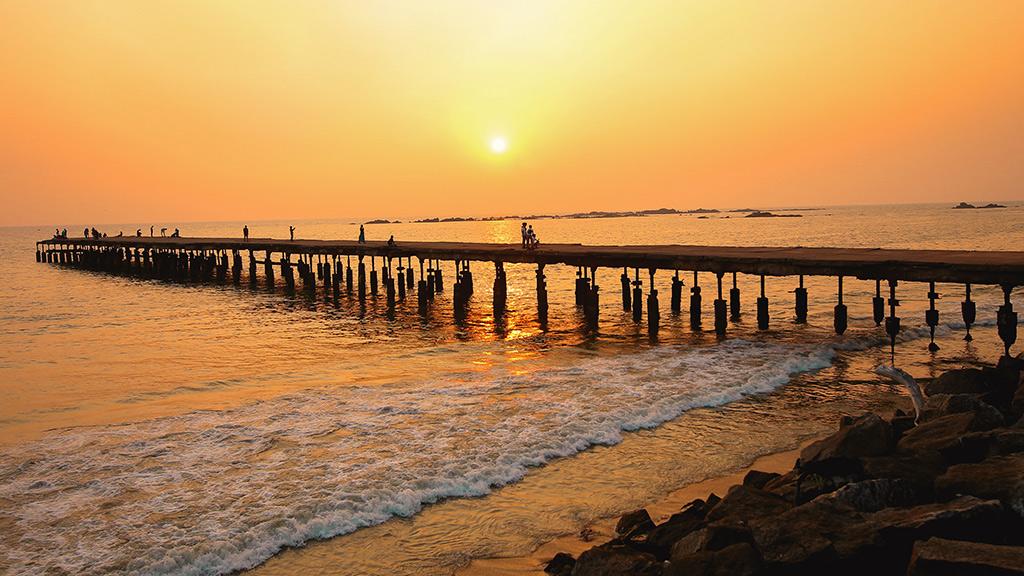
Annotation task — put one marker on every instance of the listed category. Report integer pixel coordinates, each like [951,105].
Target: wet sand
[604,530]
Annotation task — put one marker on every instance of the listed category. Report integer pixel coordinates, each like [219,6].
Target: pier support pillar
[500,293]
[720,311]
[878,304]
[389,287]
[348,275]
[268,269]
[762,308]
[410,282]
[801,302]
[401,281]
[695,302]
[336,279]
[638,302]
[592,301]
[653,311]
[361,277]
[677,294]
[236,270]
[840,317]
[931,317]
[734,300]
[373,276]
[325,271]
[625,290]
[892,323]
[969,311]
[1006,320]
[580,286]
[542,295]
[438,277]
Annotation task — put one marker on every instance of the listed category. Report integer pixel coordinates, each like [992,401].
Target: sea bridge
[362,269]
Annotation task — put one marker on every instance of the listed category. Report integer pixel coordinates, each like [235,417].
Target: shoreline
[603,529]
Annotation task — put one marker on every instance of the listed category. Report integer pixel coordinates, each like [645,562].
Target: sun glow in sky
[125,111]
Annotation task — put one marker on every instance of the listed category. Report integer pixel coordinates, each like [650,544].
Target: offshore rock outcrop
[880,496]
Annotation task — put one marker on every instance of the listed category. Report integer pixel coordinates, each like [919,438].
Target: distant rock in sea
[966,206]
[382,221]
[760,214]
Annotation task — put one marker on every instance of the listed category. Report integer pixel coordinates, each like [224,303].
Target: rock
[800,539]
[945,404]
[712,537]
[1017,405]
[964,517]
[942,434]
[1001,477]
[920,470]
[616,560]
[874,495]
[663,536]
[962,381]
[757,479]
[744,503]
[868,435]
[634,523]
[978,446]
[941,557]
[561,565]
[736,560]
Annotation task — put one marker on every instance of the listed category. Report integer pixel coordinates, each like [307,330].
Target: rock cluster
[879,496]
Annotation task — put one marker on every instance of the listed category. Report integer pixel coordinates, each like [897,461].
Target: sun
[499,144]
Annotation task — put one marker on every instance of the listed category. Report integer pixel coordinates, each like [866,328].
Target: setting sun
[499,145]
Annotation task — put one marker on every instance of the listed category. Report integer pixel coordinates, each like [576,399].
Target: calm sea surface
[159,428]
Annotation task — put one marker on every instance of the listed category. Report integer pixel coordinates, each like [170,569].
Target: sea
[154,427]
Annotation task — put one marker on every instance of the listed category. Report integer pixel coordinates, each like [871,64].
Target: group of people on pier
[530,240]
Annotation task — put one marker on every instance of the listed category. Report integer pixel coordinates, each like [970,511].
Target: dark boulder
[744,503]
[1017,405]
[799,541]
[942,434]
[945,404]
[662,537]
[561,565]
[874,495]
[736,560]
[920,470]
[712,537]
[941,557]
[962,381]
[966,517]
[634,523]
[978,446]
[616,560]
[757,479]
[868,435]
[1000,477]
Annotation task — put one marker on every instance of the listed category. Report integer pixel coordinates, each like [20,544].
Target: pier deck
[955,266]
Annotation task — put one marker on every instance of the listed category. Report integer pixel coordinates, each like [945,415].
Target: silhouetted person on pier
[163,232]
[86,233]
[531,238]
[245,232]
[138,233]
[291,232]
[362,235]
[64,233]
[120,233]
[522,232]
[176,234]
[150,231]
[391,241]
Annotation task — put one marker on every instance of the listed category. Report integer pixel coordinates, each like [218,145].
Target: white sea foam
[215,491]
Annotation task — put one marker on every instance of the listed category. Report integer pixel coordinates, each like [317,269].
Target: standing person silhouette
[291,232]
[150,231]
[245,232]
[522,232]
[362,235]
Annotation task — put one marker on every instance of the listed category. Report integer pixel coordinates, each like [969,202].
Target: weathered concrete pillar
[969,311]
[878,304]
[348,275]
[581,288]
[734,300]
[336,278]
[931,317]
[500,292]
[389,288]
[542,295]
[361,286]
[653,311]
[592,306]
[677,294]
[762,308]
[428,278]
[39,255]
[638,297]
[695,302]
[373,277]
[409,280]
[839,313]
[625,291]
[1006,321]
[421,290]
[252,268]
[236,268]
[892,323]
[801,302]
[467,278]
[720,309]
[401,281]
[268,269]
[287,271]
[438,277]
[325,271]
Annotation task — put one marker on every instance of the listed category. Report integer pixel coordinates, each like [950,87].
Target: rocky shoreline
[938,494]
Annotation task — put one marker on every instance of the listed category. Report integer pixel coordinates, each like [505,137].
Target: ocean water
[163,428]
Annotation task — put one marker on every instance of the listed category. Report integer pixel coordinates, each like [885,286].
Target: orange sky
[129,111]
